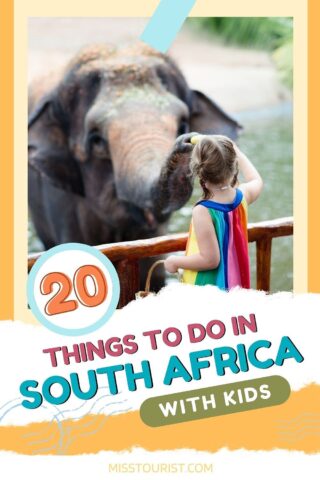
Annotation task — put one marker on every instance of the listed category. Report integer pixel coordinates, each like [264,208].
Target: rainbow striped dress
[230,223]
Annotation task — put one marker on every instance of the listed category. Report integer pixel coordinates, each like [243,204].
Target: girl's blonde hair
[214,160]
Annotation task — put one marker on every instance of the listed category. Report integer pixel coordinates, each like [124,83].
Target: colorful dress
[230,223]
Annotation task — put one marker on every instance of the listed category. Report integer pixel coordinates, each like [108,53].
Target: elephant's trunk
[140,145]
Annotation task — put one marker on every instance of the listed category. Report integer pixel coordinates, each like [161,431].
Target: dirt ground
[238,79]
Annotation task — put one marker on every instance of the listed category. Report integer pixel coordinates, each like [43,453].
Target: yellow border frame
[306,239]
[13,273]
[313,147]
[6,160]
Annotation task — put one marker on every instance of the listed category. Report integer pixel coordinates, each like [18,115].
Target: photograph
[188,155]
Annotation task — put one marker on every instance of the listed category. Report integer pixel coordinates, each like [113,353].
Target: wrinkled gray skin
[105,163]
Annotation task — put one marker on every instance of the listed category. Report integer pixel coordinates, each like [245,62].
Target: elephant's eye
[183,127]
[96,142]
[95,139]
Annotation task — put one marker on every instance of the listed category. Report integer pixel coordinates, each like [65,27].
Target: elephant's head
[119,113]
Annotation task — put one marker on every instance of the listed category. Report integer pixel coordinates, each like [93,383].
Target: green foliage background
[274,34]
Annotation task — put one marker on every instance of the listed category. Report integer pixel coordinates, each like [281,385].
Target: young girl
[217,248]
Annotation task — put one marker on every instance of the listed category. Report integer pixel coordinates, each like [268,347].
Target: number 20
[59,303]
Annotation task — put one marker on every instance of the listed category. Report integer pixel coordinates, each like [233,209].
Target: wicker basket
[146,292]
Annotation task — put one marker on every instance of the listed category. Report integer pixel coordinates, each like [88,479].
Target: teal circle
[73,331]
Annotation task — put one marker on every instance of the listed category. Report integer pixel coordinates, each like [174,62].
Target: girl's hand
[171,264]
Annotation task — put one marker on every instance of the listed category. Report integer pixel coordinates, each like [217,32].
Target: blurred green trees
[267,33]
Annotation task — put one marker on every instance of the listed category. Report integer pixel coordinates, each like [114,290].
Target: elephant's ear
[48,151]
[208,118]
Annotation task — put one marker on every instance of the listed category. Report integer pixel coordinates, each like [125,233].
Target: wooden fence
[126,255]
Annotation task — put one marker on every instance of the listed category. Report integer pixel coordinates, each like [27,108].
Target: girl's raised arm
[253,183]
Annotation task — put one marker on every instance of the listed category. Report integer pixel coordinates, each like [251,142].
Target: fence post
[128,272]
[263,256]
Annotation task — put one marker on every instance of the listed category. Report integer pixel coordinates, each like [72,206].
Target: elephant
[109,145]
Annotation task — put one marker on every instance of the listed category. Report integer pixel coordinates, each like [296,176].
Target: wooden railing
[126,255]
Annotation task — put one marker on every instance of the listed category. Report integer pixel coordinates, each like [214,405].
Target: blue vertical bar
[166,22]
